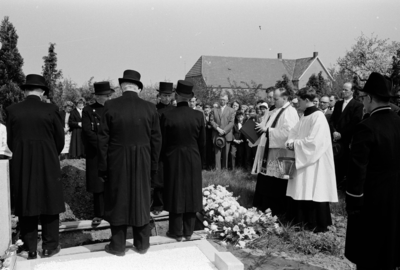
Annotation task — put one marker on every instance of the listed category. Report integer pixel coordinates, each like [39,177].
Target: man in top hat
[91,119]
[373,182]
[165,93]
[35,135]
[182,152]
[129,146]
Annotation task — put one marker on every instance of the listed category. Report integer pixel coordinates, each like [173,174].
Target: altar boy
[314,183]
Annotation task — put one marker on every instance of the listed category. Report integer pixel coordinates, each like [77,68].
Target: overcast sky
[163,39]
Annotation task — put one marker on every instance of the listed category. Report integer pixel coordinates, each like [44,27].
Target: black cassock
[129,145]
[76,148]
[35,135]
[91,119]
[373,187]
[182,152]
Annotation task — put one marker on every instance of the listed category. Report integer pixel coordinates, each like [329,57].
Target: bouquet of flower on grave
[5,259]
[227,220]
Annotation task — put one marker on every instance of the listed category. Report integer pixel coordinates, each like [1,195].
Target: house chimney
[279,55]
[315,54]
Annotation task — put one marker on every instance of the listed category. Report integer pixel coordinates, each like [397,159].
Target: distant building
[233,72]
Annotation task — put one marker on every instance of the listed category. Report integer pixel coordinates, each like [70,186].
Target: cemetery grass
[296,243]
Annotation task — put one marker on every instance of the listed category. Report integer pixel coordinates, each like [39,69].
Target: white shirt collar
[347,101]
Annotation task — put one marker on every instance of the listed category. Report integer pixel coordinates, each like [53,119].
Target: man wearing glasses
[324,106]
[373,184]
[346,115]
[91,118]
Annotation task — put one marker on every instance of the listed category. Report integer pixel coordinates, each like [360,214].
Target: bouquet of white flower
[227,220]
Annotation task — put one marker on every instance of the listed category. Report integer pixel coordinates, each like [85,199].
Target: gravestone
[5,207]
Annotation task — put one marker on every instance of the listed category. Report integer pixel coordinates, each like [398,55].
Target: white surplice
[277,138]
[314,179]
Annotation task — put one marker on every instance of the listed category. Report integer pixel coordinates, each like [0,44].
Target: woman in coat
[76,149]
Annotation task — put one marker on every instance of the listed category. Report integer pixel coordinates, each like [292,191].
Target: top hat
[131,76]
[184,89]
[33,80]
[102,88]
[379,85]
[166,88]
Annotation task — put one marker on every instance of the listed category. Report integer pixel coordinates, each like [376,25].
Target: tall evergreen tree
[11,75]
[50,72]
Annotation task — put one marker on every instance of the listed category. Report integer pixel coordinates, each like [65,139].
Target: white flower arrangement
[6,258]
[227,220]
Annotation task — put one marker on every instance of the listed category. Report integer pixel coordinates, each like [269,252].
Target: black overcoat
[158,180]
[35,135]
[91,118]
[373,236]
[76,149]
[129,145]
[183,149]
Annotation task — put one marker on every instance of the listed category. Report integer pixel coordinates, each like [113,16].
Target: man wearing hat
[182,153]
[35,135]
[165,93]
[91,119]
[373,182]
[129,146]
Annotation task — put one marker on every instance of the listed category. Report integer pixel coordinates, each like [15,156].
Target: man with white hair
[129,145]
[346,115]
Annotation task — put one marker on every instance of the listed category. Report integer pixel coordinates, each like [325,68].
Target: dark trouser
[237,155]
[29,231]
[221,156]
[141,237]
[98,201]
[158,203]
[182,224]
[341,167]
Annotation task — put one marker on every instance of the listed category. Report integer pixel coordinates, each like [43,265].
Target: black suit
[344,123]
[35,135]
[157,181]
[238,149]
[91,119]
[182,152]
[373,188]
[76,149]
[129,145]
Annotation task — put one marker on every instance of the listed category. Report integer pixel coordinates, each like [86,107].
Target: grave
[198,254]
[5,207]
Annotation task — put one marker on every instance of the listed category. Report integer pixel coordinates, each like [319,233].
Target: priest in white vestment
[271,184]
[314,183]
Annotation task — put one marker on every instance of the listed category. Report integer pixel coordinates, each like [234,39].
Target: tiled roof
[219,71]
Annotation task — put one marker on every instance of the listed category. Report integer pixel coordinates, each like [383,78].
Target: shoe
[156,212]
[188,237]
[29,255]
[177,238]
[142,251]
[108,249]
[50,252]
[32,255]
[96,221]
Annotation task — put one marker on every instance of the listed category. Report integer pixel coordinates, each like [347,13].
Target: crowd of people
[142,157]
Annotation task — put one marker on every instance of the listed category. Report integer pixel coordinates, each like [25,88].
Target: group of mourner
[141,156]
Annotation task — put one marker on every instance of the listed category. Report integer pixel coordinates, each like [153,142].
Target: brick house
[231,72]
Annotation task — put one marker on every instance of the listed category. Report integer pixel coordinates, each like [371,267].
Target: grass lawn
[322,249]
